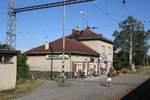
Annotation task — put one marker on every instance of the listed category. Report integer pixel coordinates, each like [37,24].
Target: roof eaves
[5,51]
[44,53]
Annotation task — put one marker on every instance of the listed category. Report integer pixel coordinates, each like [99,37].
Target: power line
[102,11]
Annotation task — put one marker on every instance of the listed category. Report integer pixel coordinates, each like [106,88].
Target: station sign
[48,57]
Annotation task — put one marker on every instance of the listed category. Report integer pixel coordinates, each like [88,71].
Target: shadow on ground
[142,92]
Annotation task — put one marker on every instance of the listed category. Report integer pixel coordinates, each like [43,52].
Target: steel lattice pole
[11,26]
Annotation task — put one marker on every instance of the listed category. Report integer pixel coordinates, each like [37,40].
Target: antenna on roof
[124,2]
[85,17]
[92,27]
[83,13]
[76,28]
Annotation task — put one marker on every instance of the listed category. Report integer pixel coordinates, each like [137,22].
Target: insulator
[124,1]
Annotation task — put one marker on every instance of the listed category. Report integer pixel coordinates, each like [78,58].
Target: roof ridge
[72,46]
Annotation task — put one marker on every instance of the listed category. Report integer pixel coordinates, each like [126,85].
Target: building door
[74,67]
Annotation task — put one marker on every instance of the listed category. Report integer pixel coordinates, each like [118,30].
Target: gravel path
[87,89]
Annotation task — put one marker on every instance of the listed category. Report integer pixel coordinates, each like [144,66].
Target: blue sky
[34,26]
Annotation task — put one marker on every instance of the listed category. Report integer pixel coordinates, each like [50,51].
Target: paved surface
[88,89]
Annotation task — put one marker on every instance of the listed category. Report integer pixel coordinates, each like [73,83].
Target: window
[103,49]
[91,59]
[109,50]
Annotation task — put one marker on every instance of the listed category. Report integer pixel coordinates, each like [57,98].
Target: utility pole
[63,36]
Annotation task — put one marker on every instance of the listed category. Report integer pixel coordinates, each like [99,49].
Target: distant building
[8,69]
[84,51]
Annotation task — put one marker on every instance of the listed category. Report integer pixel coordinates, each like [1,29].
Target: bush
[94,74]
[124,71]
[22,67]
[118,64]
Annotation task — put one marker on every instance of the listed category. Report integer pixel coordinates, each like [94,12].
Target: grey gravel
[93,88]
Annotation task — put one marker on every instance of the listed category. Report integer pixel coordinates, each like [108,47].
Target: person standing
[110,71]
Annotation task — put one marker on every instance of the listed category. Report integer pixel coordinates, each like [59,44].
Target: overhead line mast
[50,5]
[11,27]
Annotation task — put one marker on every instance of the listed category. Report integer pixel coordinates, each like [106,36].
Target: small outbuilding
[8,69]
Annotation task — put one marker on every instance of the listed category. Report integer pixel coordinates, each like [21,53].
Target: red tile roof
[87,34]
[71,46]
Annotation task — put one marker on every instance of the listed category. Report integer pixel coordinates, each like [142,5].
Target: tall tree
[130,39]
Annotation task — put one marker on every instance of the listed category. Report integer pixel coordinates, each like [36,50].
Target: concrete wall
[98,46]
[8,75]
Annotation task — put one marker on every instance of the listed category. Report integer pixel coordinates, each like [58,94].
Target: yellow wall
[40,63]
[97,45]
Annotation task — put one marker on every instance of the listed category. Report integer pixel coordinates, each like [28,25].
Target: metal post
[63,35]
[70,66]
[11,27]
[51,63]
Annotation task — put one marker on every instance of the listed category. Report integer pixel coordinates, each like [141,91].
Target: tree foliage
[4,46]
[22,67]
[131,35]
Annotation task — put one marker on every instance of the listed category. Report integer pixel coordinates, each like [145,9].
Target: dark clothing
[109,75]
[110,72]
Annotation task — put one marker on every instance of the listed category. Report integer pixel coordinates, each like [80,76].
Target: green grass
[130,71]
[23,86]
[144,68]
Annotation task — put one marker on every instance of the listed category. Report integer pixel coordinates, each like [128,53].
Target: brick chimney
[75,33]
[75,30]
